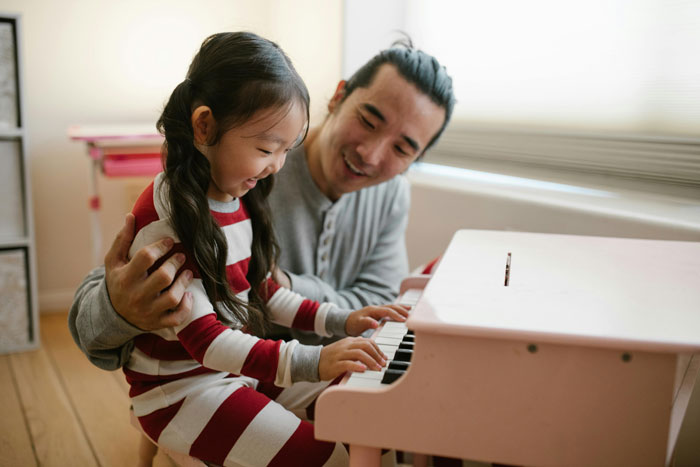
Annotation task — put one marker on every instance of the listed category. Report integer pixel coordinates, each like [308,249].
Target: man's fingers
[147,256]
[180,314]
[119,250]
[162,278]
[171,298]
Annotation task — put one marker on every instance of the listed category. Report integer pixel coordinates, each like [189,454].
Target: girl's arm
[291,310]
[219,347]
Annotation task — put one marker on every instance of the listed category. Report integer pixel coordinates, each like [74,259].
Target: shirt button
[327,241]
[329,225]
[325,257]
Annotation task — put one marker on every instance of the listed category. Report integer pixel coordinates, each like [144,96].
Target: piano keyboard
[396,341]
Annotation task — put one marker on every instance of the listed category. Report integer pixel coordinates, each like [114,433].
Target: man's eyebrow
[374,111]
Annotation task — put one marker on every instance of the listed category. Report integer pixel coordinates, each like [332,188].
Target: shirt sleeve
[219,347]
[382,270]
[291,310]
[98,330]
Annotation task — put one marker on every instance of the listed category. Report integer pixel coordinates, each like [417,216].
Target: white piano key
[393,329]
[391,333]
[396,325]
[354,382]
[370,374]
[388,340]
[410,297]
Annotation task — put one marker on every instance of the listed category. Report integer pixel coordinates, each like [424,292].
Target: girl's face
[248,152]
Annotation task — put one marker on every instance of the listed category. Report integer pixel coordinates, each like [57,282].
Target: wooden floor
[57,409]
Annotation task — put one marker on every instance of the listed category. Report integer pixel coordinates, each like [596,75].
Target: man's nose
[372,150]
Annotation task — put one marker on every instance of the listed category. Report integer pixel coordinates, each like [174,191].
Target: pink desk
[117,151]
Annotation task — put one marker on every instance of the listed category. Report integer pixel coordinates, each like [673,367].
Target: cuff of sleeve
[335,321]
[112,330]
[305,360]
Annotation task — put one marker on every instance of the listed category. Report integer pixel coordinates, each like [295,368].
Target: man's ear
[337,96]
[203,125]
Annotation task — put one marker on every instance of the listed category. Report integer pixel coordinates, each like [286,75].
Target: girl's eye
[366,122]
[265,152]
[401,151]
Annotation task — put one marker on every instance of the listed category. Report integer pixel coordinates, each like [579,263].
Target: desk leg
[95,214]
[363,456]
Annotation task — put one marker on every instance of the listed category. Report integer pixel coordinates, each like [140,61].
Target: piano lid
[622,293]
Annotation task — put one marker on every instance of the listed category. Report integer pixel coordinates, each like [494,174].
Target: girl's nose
[276,164]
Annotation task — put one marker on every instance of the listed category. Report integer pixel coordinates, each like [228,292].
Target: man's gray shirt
[351,253]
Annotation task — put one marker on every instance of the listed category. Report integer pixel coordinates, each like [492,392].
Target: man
[339,205]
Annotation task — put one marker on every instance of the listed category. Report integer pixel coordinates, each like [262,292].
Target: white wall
[95,61]
[445,200]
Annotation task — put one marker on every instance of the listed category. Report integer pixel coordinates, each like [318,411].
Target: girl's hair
[236,75]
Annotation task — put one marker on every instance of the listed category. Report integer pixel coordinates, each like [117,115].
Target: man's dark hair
[416,67]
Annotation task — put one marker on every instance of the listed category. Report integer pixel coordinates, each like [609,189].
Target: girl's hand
[368,318]
[349,354]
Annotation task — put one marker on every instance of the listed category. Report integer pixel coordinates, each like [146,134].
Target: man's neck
[312,148]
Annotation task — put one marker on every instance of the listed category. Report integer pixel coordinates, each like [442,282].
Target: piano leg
[363,456]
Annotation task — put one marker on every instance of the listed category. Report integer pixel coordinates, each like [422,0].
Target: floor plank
[56,433]
[100,398]
[15,443]
[100,402]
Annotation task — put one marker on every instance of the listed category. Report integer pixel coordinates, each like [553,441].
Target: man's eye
[265,152]
[366,122]
[400,150]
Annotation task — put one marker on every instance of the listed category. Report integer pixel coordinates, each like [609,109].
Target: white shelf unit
[19,323]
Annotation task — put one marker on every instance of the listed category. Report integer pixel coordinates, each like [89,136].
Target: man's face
[374,134]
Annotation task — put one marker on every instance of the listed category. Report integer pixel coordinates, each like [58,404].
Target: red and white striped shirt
[165,363]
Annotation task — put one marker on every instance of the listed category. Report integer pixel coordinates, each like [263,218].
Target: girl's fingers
[362,355]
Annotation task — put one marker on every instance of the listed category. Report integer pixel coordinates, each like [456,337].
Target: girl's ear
[337,96]
[203,125]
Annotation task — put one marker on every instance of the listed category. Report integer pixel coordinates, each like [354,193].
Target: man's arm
[116,303]
[382,270]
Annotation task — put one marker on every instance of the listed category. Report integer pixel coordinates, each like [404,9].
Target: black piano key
[409,333]
[406,345]
[391,375]
[403,355]
[398,365]
[407,338]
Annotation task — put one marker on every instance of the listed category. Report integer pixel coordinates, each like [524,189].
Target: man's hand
[281,278]
[138,297]
[368,318]
[349,354]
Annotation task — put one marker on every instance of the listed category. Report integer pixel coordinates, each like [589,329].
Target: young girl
[210,387]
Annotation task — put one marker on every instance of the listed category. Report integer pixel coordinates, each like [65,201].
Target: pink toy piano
[117,151]
[533,349]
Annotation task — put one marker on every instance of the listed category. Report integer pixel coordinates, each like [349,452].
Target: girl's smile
[249,152]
